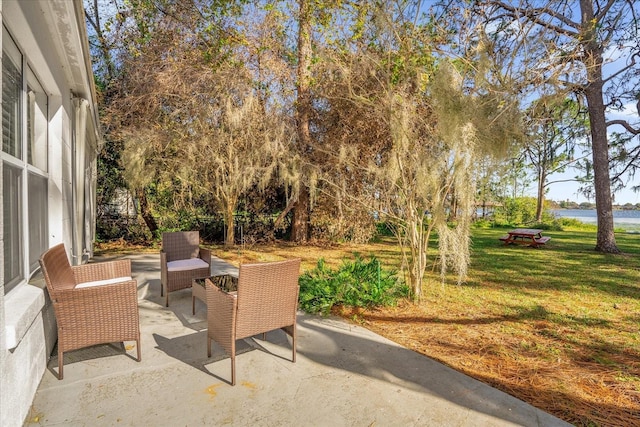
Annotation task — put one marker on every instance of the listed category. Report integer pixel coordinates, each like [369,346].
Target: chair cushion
[102,282]
[186,264]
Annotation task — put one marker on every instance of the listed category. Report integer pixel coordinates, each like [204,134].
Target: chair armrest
[85,308]
[102,270]
[205,255]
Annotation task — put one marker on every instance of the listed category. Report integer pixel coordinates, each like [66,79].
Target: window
[11,97]
[38,229]
[11,208]
[36,123]
[24,177]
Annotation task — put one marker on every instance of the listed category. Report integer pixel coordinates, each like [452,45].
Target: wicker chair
[181,261]
[93,303]
[266,299]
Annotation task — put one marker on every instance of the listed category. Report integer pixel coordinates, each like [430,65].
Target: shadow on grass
[567,265]
[521,314]
[384,361]
[596,355]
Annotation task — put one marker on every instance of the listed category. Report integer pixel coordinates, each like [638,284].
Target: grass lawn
[558,326]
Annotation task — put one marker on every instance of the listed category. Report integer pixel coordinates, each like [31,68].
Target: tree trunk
[230,238]
[419,244]
[301,210]
[540,201]
[300,221]
[606,240]
[453,215]
[145,212]
[103,47]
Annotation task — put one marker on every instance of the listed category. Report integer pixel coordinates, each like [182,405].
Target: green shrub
[516,211]
[383,229]
[549,225]
[355,283]
[574,223]
[483,223]
[133,230]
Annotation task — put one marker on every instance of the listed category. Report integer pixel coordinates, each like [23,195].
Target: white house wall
[51,35]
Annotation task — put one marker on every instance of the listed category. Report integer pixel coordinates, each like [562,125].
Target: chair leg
[166,302]
[291,331]
[233,369]
[60,363]
[139,350]
[293,343]
[193,305]
[208,346]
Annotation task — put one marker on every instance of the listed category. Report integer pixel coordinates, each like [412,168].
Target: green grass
[575,313]
[567,263]
[557,326]
[565,283]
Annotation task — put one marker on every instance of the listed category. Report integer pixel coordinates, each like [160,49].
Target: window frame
[28,169]
[12,53]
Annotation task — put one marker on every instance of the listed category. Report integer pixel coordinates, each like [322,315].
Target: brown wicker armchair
[266,299]
[181,261]
[93,303]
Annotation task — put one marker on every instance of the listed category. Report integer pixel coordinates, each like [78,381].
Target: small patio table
[199,287]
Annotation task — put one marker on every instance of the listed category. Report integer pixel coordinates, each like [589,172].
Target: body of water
[627,220]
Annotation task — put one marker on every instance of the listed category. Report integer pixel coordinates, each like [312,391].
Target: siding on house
[54,199]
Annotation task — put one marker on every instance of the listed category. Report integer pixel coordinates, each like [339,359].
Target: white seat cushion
[102,282]
[186,264]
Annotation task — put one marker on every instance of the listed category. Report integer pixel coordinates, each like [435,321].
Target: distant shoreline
[578,208]
[570,204]
[623,219]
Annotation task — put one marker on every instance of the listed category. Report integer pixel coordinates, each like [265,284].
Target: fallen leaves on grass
[557,372]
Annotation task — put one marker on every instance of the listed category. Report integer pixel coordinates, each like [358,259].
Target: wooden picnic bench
[525,236]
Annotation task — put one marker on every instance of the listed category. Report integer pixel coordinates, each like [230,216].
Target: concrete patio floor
[344,375]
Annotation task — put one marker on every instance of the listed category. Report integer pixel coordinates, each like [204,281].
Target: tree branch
[561,180]
[629,164]
[603,12]
[535,14]
[625,125]
[623,69]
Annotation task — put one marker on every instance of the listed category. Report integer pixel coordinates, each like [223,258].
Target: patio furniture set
[97,303]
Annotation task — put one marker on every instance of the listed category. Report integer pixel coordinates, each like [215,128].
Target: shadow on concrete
[192,349]
[339,364]
[336,344]
[97,351]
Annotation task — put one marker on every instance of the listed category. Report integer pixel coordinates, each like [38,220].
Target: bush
[548,225]
[521,210]
[355,283]
[131,229]
[383,229]
[574,223]
[483,223]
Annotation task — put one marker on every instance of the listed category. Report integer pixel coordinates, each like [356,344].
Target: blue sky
[568,190]
[616,57]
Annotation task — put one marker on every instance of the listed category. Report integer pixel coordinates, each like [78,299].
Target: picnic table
[525,236]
